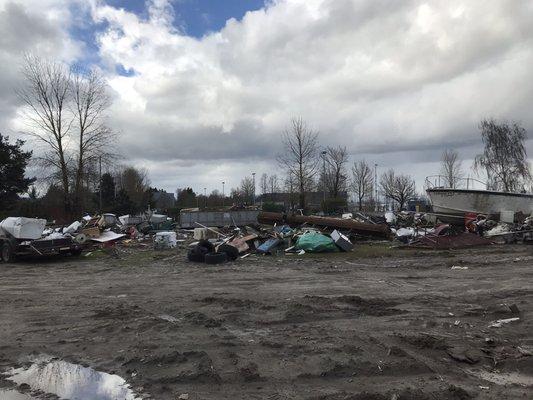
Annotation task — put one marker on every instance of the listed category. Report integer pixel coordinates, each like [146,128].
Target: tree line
[66,114]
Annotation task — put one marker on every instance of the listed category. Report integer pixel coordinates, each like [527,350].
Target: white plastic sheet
[23,228]
[108,236]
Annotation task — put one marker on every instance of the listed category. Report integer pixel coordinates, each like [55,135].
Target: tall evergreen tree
[108,192]
[13,163]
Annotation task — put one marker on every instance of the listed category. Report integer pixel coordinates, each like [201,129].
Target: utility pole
[205,197]
[324,152]
[253,179]
[223,195]
[100,194]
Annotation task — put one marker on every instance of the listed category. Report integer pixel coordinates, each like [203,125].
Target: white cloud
[28,29]
[380,76]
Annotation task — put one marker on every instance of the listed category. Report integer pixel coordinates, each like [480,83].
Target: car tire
[215,258]
[207,244]
[232,253]
[197,254]
[76,252]
[7,254]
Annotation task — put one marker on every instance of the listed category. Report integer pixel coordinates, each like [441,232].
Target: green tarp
[314,242]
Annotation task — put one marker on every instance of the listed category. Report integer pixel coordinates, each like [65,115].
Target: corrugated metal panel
[188,219]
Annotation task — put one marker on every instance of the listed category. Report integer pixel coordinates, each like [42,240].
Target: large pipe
[376,230]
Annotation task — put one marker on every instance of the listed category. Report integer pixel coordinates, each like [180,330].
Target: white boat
[452,204]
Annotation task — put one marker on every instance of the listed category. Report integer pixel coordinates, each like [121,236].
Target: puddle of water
[506,378]
[8,394]
[70,381]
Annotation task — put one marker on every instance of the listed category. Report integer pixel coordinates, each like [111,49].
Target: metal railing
[441,182]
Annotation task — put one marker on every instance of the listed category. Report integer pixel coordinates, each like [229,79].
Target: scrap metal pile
[20,236]
[421,230]
[520,230]
[279,233]
[274,233]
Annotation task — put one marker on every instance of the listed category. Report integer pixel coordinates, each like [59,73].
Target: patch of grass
[363,250]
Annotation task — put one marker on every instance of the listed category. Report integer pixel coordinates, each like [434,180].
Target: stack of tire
[204,252]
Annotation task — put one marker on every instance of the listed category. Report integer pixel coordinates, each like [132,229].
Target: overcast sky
[202,89]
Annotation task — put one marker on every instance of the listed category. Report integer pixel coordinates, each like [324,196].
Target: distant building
[287,200]
[163,200]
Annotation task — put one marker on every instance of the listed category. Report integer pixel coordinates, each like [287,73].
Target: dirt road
[381,325]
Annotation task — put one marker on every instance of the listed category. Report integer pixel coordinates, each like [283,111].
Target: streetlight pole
[100,191]
[223,195]
[253,193]
[376,185]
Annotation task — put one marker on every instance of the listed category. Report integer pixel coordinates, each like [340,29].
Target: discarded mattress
[314,242]
[23,228]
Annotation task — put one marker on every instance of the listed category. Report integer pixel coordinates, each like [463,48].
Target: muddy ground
[373,324]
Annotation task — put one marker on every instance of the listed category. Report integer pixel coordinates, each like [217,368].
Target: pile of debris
[422,231]
[281,234]
[519,231]
[20,236]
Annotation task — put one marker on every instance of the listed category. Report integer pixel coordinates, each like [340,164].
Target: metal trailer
[11,248]
[189,219]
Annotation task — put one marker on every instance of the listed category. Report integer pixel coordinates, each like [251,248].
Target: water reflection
[71,381]
[8,394]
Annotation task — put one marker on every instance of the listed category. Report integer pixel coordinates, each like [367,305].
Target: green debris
[314,242]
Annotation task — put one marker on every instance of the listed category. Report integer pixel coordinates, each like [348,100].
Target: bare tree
[336,177]
[399,188]
[263,184]
[290,188]
[247,189]
[362,181]
[504,157]
[300,156]
[135,183]
[451,167]
[46,95]
[273,184]
[89,105]
[66,114]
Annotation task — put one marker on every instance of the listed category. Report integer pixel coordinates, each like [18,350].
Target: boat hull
[453,204]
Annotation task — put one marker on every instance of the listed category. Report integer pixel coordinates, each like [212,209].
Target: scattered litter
[458,267]
[168,318]
[498,323]
[525,351]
